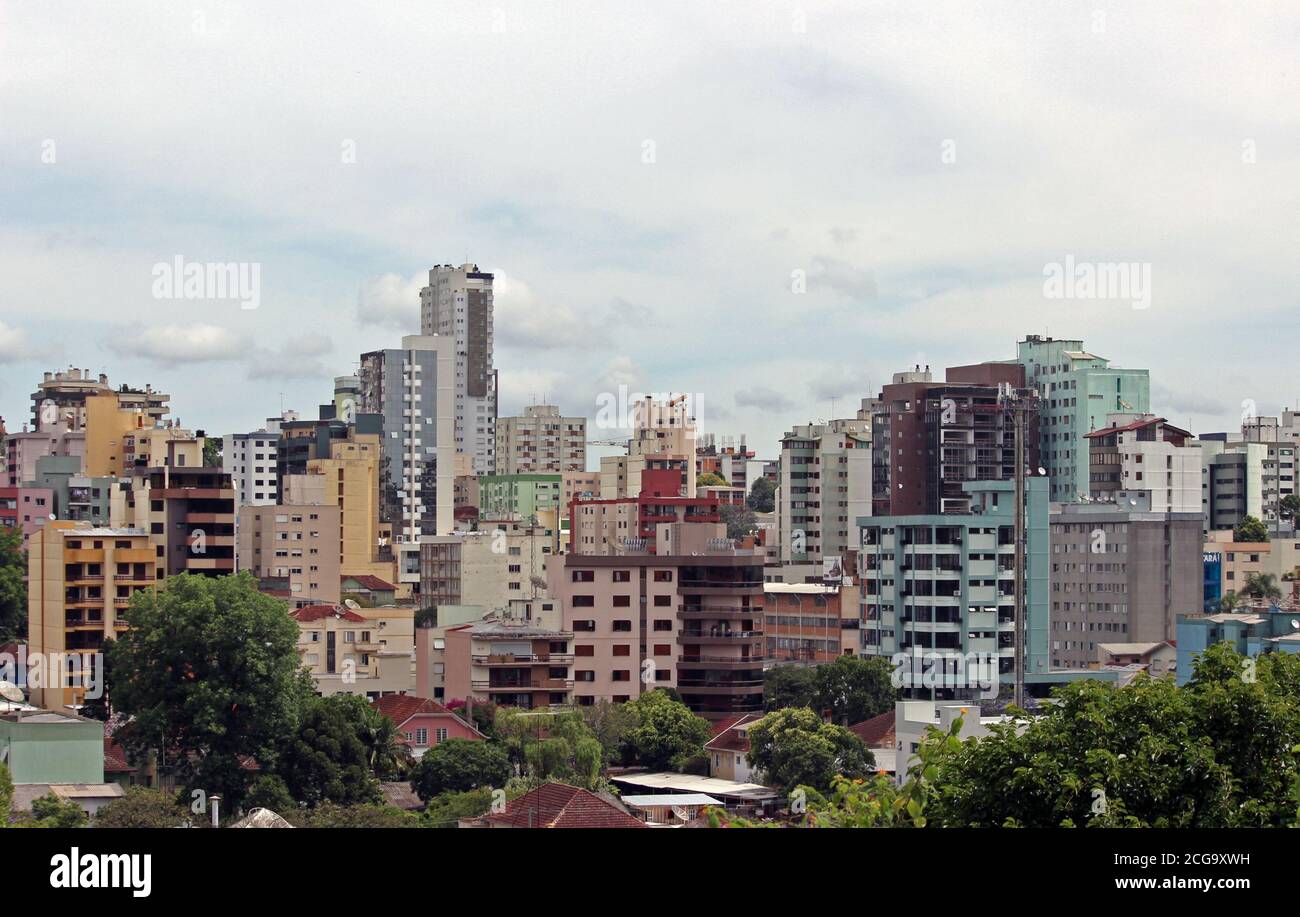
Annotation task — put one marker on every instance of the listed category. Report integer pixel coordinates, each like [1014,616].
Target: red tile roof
[558,805]
[115,761]
[317,612]
[401,707]
[731,738]
[366,581]
[877,732]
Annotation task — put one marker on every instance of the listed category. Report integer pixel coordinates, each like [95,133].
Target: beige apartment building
[488,568]
[663,437]
[369,652]
[541,442]
[80,581]
[515,663]
[689,618]
[292,550]
[188,511]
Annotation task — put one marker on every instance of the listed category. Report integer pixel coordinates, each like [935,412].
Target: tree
[208,674]
[13,585]
[458,765]
[482,715]
[6,794]
[667,734]
[97,708]
[740,520]
[711,479]
[211,453]
[51,811]
[1262,586]
[445,810]
[788,686]
[142,807]
[762,495]
[1250,529]
[363,815]
[610,723]
[793,747]
[1290,506]
[854,688]
[1229,601]
[326,758]
[269,791]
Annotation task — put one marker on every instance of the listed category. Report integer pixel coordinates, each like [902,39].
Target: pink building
[25,509]
[423,723]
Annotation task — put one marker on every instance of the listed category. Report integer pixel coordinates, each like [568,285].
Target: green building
[520,496]
[48,746]
[1077,390]
[945,583]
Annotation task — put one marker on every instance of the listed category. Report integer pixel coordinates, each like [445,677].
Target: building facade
[541,441]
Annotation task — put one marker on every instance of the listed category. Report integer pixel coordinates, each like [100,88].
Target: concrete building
[541,442]
[1120,573]
[519,496]
[804,624]
[24,450]
[369,652]
[423,723]
[929,438]
[293,550]
[1248,478]
[414,389]
[188,511]
[825,485]
[251,461]
[1142,453]
[945,584]
[913,719]
[457,304]
[728,750]
[1260,630]
[725,458]
[510,662]
[630,525]
[78,497]
[79,581]
[61,398]
[690,617]
[26,509]
[663,438]
[488,568]
[1077,390]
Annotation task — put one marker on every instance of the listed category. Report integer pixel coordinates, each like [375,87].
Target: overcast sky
[649,187]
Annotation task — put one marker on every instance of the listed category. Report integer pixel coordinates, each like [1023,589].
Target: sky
[769,206]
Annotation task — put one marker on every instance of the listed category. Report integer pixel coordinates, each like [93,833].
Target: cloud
[392,301]
[841,277]
[764,399]
[176,345]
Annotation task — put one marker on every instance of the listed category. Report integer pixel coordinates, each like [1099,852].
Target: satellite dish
[11,692]
[1042,470]
[350,603]
[1132,502]
[1295,625]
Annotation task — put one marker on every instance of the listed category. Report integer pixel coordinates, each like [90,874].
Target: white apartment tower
[457,304]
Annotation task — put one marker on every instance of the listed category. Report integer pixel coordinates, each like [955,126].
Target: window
[622,601]
[421,737]
[622,649]
[622,576]
[663,625]
[663,601]
[583,576]
[663,576]
[583,601]
[440,734]
[584,650]
[622,626]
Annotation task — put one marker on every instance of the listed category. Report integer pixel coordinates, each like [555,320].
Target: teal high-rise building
[1077,390]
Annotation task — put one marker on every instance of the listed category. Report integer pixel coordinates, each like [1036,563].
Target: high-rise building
[457,304]
[929,438]
[61,396]
[251,461]
[689,617]
[188,511]
[293,551]
[80,579]
[489,568]
[1121,572]
[1077,390]
[413,388]
[663,437]
[825,485]
[725,458]
[945,583]
[1142,453]
[541,442]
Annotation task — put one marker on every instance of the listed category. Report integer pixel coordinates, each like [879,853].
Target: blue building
[1212,561]
[945,583]
[1252,633]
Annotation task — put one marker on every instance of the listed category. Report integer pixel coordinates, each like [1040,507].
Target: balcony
[703,661]
[509,659]
[717,613]
[721,638]
[536,684]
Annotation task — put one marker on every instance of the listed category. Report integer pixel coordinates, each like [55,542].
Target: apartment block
[188,511]
[631,524]
[1248,478]
[1275,630]
[457,304]
[61,398]
[663,439]
[488,568]
[414,389]
[930,438]
[1077,390]
[691,619]
[1120,573]
[825,485]
[724,457]
[510,662]
[541,441]
[945,583]
[80,579]
[23,450]
[519,496]
[1145,453]
[26,509]
[804,623]
[251,460]
[368,652]
[293,551]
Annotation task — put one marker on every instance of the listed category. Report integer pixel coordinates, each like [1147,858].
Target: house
[877,734]
[367,590]
[353,650]
[53,751]
[423,723]
[670,810]
[558,805]
[728,748]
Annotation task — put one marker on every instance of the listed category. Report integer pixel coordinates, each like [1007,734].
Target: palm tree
[1228,604]
[389,757]
[1263,586]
